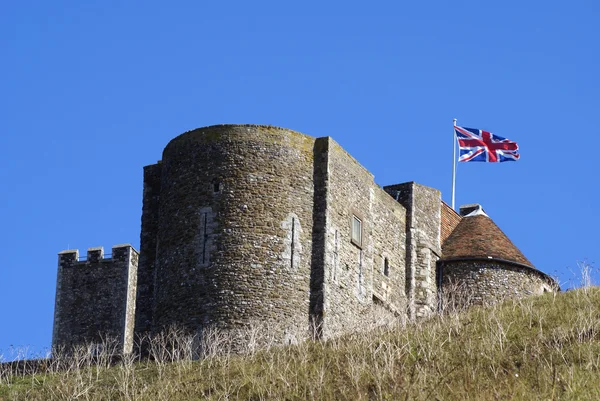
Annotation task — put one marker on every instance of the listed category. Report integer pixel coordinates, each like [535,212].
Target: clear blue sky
[90,92]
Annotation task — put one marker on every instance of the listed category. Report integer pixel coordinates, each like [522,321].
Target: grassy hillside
[545,347]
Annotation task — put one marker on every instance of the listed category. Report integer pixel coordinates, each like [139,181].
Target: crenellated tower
[95,297]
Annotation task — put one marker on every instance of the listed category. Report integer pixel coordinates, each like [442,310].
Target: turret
[95,298]
[479,260]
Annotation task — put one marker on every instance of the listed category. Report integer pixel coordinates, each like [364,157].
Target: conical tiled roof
[477,236]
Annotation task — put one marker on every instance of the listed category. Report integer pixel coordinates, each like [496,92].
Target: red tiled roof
[479,237]
[450,220]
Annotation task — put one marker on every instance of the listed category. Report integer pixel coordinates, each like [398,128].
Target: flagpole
[453,163]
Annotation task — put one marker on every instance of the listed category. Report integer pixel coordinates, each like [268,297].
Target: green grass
[540,348]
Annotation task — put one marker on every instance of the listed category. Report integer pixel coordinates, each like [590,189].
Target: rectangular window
[356,231]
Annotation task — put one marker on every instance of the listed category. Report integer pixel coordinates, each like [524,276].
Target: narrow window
[204,236]
[386,267]
[216,186]
[361,276]
[336,256]
[293,241]
[356,231]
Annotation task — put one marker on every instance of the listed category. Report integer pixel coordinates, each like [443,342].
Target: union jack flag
[481,146]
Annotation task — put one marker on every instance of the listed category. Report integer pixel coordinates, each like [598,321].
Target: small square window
[216,186]
[356,231]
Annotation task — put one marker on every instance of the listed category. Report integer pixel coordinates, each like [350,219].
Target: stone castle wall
[423,247]
[95,298]
[246,223]
[354,272]
[389,258]
[487,281]
[148,243]
[234,229]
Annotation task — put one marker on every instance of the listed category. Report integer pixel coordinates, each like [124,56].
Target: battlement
[71,257]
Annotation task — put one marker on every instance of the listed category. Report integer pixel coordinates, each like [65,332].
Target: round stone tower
[234,229]
[480,264]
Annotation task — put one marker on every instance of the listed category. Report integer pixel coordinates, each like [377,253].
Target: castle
[243,223]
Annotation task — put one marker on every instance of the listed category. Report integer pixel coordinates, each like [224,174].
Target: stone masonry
[246,223]
[482,263]
[95,297]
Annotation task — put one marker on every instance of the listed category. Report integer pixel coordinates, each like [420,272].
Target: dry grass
[545,347]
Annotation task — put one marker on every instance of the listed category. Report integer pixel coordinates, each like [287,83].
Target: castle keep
[244,223]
